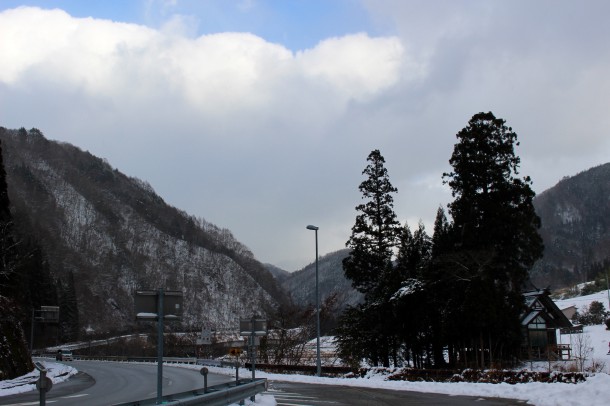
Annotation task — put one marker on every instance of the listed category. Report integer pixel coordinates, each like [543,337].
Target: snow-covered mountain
[575,217]
[301,286]
[116,235]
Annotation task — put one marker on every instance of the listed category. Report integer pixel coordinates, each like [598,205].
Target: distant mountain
[279,274]
[575,217]
[116,235]
[301,285]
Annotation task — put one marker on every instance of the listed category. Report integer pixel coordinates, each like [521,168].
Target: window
[537,324]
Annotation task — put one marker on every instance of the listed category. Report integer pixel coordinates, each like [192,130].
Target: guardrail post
[204,372]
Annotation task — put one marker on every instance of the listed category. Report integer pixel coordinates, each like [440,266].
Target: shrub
[486,376]
[595,314]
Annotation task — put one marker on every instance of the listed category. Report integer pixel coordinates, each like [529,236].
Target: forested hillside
[575,217]
[301,287]
[113,234]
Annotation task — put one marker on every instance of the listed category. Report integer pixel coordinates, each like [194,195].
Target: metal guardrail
[124,358]
[307,369]
[217,395]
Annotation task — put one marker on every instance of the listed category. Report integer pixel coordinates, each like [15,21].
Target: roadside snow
[56,371]
[594,392]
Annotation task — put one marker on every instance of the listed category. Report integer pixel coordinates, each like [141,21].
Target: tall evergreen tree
[495,232]
[410,300]
[369,266]
[414,253]
[374,235]
[441,294]
[440,237]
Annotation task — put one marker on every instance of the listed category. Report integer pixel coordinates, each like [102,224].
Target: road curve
[107,383]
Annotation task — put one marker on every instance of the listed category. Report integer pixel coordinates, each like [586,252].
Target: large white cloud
[264,140]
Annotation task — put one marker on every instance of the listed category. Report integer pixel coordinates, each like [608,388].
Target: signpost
[43,384]
[206,336]
[46,314]
[253,328]
[236,352]
[159,306]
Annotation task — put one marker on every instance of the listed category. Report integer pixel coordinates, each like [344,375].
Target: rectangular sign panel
[259,327]
[49,314]
[172,305]
[146,304]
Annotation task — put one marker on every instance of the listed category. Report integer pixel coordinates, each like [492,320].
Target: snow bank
[594,392]
[56,371]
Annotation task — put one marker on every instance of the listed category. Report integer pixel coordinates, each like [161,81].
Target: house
[539,324]
[569,312]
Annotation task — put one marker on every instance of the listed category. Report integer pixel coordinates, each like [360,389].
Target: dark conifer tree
[412,318]
[369,266]
[440,294]
[405,243]
[495,232]
[441,241]
[374,235]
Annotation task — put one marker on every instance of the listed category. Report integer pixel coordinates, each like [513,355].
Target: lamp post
[318,364]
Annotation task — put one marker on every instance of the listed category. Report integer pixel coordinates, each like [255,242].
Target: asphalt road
[107,383]
[297,394]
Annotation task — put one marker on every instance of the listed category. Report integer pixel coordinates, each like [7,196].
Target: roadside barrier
[217,395]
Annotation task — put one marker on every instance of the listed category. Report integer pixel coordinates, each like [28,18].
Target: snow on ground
[594,392]
[583,302]
[56,371]
[597,336]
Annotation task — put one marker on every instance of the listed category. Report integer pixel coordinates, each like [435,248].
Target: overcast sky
[258,115]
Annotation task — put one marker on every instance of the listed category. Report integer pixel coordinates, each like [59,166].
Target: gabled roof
[537,302]
[529,317]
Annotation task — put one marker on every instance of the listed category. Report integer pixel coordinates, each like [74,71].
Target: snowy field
[594,392]
[598,336]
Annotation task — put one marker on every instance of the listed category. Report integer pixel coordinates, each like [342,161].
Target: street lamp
[318,365]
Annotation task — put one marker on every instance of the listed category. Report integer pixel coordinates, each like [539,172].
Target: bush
[487,376]
[595,314]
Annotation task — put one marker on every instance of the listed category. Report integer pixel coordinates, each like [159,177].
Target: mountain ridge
[117,235]
[575,216]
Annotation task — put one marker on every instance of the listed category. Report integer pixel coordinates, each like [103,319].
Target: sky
[258,115]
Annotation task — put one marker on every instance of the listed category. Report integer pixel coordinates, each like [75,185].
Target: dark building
[539,324]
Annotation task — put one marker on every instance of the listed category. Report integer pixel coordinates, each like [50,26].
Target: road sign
[257,327]
[44,384]
[146,302]
[49,314]
[235,351]
[206,336]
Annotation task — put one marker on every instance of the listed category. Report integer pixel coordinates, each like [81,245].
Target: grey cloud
[276,140]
